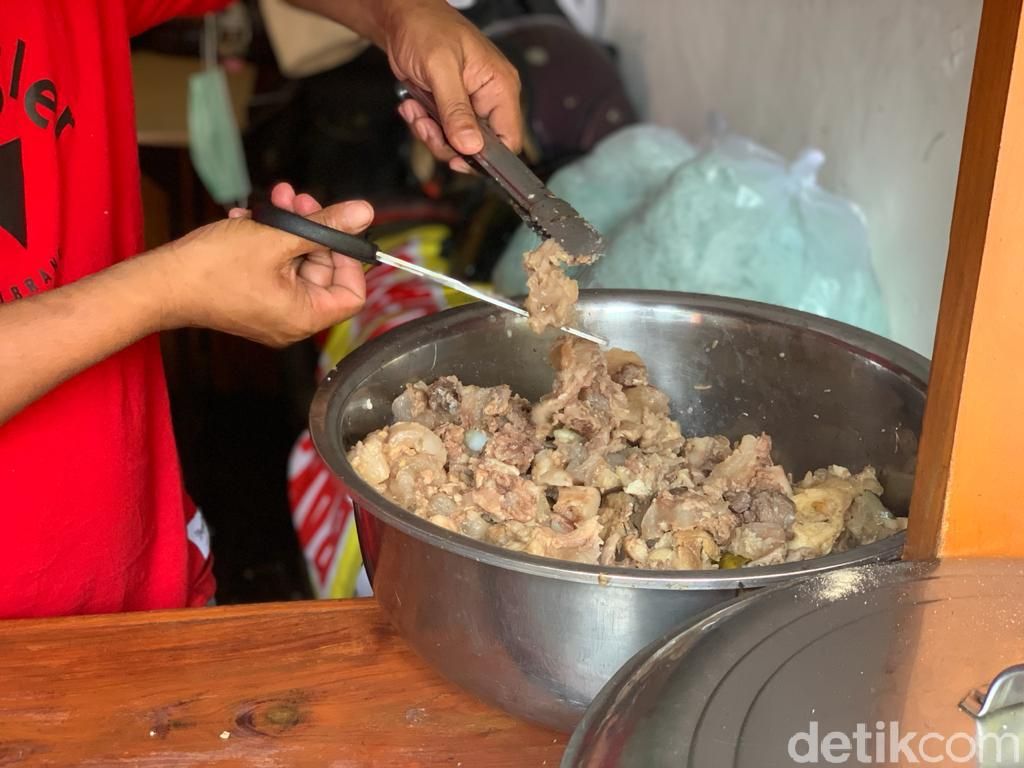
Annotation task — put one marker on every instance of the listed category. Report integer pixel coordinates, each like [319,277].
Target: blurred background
[800,152]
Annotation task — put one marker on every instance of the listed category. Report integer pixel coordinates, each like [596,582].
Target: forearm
[368,18]
[47,339]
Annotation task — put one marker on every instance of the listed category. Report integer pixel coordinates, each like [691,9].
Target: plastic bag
[214,139]
[604,186]
[733,220]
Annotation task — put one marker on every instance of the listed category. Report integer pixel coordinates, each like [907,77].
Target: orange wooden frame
[966,499]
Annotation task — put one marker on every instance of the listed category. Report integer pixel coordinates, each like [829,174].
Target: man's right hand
[250,280]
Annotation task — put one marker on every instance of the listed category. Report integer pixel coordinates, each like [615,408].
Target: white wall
[879,85]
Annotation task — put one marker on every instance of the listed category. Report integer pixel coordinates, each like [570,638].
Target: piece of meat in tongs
[551,217]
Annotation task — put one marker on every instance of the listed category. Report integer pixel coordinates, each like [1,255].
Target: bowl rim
[356,367]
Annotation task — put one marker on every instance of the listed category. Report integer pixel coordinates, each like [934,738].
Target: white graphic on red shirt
[199,534]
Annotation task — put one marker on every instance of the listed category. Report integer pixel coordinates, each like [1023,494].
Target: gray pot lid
[882,664]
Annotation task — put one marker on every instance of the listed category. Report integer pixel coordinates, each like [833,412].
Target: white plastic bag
[733,220]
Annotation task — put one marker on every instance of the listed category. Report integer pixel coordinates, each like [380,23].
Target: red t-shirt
[91,502]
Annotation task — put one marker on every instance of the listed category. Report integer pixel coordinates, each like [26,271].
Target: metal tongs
[546,214]
[549,216]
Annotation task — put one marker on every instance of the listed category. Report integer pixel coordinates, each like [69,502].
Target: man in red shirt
[91,501]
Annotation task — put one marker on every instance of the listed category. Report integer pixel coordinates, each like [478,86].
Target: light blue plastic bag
[605,187]
[215,142]
[733,220]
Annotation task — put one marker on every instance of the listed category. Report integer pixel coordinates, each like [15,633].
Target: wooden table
[296,684]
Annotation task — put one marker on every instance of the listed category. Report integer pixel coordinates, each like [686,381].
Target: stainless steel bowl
[539,637]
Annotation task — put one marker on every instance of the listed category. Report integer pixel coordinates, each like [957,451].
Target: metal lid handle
[1004,692]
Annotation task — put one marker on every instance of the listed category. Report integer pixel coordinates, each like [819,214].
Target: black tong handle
[354,247]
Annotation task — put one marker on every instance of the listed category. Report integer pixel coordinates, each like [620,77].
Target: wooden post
[967,498]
